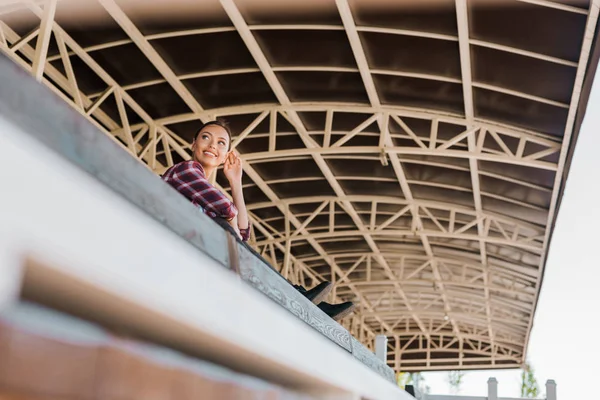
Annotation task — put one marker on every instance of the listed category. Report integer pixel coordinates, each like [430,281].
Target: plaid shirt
[189,179]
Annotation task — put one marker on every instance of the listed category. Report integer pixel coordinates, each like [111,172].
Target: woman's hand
[233,168]
[233,171]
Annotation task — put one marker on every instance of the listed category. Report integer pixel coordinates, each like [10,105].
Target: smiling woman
[211,149]
[212,142]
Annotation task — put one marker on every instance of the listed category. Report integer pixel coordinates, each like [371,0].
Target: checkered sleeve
[245,233]
[190,180]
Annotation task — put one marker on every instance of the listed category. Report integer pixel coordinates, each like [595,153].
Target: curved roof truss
[434,215]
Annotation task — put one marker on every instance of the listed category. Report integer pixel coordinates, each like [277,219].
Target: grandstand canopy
[412,152]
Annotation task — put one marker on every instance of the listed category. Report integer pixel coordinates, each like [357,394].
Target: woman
[211,149]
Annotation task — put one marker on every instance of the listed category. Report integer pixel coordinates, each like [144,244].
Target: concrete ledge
[44,119]
[76,246]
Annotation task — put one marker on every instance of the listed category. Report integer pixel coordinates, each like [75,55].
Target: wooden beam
[557,6]
[157,61]
[465,65]
[43,41]
[249,129]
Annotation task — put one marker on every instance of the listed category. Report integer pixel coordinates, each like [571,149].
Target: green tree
[455,381]
[529,385]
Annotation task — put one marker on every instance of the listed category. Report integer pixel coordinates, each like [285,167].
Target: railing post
[550,389]
[381,347]
[492,389]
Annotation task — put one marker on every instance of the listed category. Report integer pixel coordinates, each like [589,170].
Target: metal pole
[492,389]
[550,389]
[381,347]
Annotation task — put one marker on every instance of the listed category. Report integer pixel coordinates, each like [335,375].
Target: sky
[564,340]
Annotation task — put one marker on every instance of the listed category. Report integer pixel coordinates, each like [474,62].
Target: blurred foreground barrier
[88,230]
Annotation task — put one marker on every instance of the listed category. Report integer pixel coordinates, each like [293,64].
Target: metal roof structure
[414,153]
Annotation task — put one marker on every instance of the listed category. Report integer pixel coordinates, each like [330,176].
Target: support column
[550,389]
[492,389]
[41,48]
[381,347]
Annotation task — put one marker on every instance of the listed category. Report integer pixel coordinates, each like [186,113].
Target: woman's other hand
[233,168]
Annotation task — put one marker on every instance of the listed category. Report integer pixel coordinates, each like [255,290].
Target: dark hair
[218,122]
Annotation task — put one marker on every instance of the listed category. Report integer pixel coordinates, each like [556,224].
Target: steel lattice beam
[410,306]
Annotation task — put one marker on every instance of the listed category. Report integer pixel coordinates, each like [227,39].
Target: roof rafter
[447,259]
[418,203]
[337,107]
[325,68]
[323,27]
[467,85]
[405,161]
[41,48]
[417,182]
[392,150]
[523,244]
[556,5]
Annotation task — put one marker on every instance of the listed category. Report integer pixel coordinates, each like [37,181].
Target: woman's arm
[233,171]
[189,179]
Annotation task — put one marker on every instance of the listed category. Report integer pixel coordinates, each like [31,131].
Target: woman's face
[211,146]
